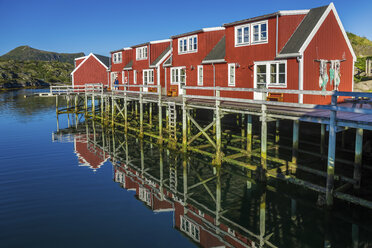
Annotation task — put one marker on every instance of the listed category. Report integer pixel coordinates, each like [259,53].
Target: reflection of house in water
[88,154]
[198,226]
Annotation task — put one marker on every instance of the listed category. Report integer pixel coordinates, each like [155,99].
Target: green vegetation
[25,66]
[18,74]
[29,53]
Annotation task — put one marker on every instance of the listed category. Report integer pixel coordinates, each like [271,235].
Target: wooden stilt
[249,134]
[160,119]
[263,143]
[358,157]
[331,154]
[218,159]
[141,114]
[184,124]
[322,139]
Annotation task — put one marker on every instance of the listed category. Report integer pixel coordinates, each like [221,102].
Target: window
[116,58]
[141,53]
[188,44]
[272,73]
[190,228]
[113,76]
[251,33]
[178,75]
[134,77]
[144,195]
[231,71]
[200,75]
[242,35]
[148,77]
[259,32]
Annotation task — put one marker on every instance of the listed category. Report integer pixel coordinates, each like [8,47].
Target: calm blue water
[48,198]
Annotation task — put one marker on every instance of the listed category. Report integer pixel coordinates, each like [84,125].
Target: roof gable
[217,54]
[168,62]
[95,57]
[128,66]
[161,57]
[307,29]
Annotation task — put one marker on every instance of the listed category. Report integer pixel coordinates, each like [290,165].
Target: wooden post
[125,113]
[112,110]
[150,114]
[86,104]
[242,129]
[322,139]
[57,105]
[263,141]
[184,122]
[160,117]
[218,130]
[76,103]
[93,105]
[249,134]
[295,139]
[141,113]
[277,137]
[331,154]
[358,157]
[102,110]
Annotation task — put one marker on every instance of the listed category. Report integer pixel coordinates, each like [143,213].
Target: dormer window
[116,58]
[188,44]
[252,33]
[141,53]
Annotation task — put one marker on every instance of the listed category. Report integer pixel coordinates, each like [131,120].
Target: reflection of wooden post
[296,127]
[142,158]
[161,172]
[322,139]
[76,103]
[185,185]
[218,191]
[331,153]
[262,218]
[358,157]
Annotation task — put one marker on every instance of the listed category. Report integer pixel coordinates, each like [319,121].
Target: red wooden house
[119,60]
[88,154]
[90,69]
[282,50]
[185,65]
[145,65]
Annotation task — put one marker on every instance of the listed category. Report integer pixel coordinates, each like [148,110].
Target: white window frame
[249,35]
[141,53]
[190,228]
[148,77]
[268,73]
[200,79]
[177,79]
[134,76]
[231,82]
[260,41]
[187,44]
[117,58]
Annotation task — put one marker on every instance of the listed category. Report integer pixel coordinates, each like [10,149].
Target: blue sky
[103,26]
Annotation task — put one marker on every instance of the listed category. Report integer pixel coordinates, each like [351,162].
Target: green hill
[361,45]
[29,53]
[19,74]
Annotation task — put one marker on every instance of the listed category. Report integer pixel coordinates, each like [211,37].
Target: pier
[251,134]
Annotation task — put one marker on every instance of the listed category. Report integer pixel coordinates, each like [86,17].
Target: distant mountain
[361,45]
[29,53]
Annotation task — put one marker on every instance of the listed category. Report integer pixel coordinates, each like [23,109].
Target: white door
[260,81]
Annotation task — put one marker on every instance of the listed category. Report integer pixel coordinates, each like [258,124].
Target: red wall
[286,27]
[206,42]
[78,61]
[329,44]
[92,71]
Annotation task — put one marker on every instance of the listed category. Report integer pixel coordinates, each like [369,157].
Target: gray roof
[303,31]
[166,50]
[186,34]
[104,59]
[217,54]
[168,62]
[251,19]
[129,65]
